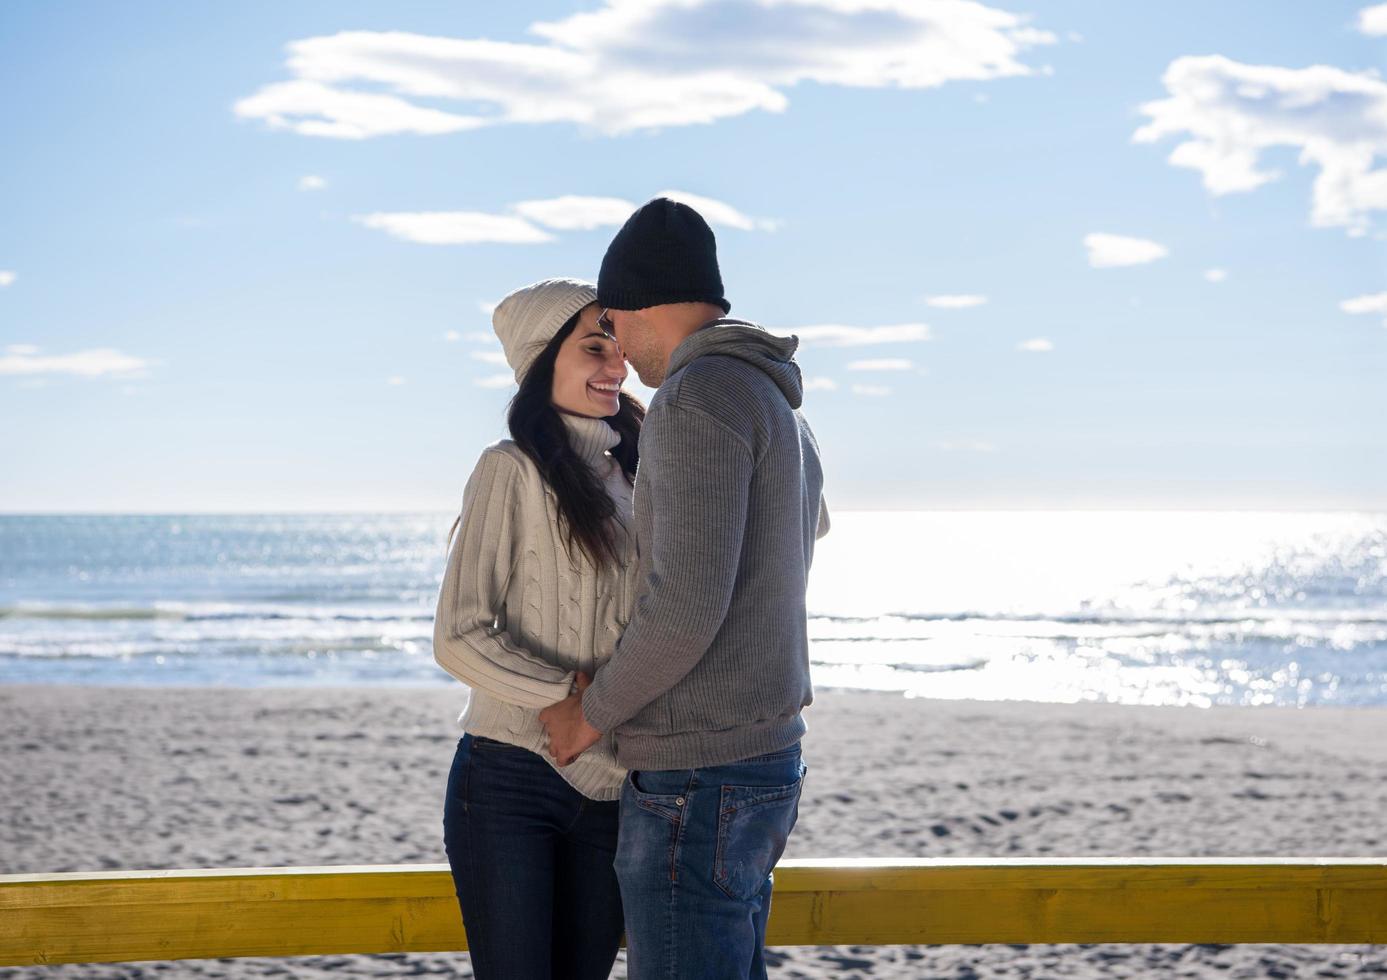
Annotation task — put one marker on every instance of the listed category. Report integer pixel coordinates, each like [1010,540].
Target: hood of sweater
[726,337]
[590,438]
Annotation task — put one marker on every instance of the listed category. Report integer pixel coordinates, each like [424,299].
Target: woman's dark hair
[586,510]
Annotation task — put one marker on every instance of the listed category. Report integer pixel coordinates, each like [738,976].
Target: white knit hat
[528,318]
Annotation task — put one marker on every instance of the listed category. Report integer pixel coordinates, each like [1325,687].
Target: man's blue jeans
[694,860]
[532,865]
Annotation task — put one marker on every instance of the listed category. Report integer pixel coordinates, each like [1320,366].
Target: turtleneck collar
[591,438]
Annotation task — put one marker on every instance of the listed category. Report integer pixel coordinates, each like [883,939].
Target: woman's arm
[488,545]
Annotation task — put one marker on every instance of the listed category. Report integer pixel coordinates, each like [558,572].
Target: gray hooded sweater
[714,664]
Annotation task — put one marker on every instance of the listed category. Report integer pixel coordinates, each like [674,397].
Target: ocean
[1136,608]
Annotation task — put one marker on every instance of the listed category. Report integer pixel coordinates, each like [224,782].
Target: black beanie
[665,253]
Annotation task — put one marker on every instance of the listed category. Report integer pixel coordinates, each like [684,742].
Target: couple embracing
[625,597]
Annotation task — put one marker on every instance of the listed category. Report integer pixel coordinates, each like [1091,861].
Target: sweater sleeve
[698,476]
[466,640]
[824,522]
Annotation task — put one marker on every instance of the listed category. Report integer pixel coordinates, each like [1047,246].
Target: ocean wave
[910,668]
[208,614]
[913,668]
[143,649]
[87,613]
[1368,617]
[1313,617]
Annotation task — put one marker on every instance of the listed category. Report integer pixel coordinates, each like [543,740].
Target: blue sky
[1133,253]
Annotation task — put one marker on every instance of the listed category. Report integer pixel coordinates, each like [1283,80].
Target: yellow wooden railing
[167,915]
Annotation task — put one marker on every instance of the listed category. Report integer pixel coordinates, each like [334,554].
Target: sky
[1039,255]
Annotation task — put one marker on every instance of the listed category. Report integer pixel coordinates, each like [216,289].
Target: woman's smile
[606,389]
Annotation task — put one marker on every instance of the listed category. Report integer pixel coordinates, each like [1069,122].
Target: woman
[539,584]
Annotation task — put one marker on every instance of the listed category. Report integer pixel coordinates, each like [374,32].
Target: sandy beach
[127,778]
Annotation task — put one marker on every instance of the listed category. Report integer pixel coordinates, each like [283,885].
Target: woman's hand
[569,733]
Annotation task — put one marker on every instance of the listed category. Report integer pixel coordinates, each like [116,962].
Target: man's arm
[698,475]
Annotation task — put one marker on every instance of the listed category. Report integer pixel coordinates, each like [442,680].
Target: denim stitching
[476,914]
[577,818]
[776,793]
[676,840]
[467,782]
[677,837]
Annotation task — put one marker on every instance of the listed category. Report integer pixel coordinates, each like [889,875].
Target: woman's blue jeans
[532,865]
[694,861]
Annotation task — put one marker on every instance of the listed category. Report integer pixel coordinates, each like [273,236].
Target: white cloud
[313,109]
[1106,251]
[7,278]
[25,359]
[1232,113]
[1372,21]
[489,356]
[576,213]
[838,335]
[496,381]
[1038,345]
[820,384]
[961,302]
[1215,275]
[312,182]
[488,308]
[1369,303]
[881,364]
[871,391]
[452,336]
[394,379]
[716,212]
[638,64]
[455,227]
[571,212]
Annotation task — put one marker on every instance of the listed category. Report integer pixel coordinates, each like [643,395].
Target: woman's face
[589,370]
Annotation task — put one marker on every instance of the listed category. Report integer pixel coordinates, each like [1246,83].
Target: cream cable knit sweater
[517,617]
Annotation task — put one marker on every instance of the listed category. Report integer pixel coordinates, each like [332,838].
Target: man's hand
[569,733]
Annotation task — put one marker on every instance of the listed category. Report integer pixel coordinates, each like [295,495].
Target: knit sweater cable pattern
[518,615]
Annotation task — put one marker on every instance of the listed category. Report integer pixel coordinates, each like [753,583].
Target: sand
[107,778]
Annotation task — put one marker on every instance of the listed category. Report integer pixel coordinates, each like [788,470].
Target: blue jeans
[532,865]
[694,860]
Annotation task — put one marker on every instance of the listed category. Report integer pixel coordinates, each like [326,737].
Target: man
[704,692]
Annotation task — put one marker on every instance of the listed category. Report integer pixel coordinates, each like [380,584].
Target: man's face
[638,342]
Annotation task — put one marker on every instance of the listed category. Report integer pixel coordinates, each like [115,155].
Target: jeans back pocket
[754,824]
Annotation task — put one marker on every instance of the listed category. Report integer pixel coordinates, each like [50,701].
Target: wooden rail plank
[165,915]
